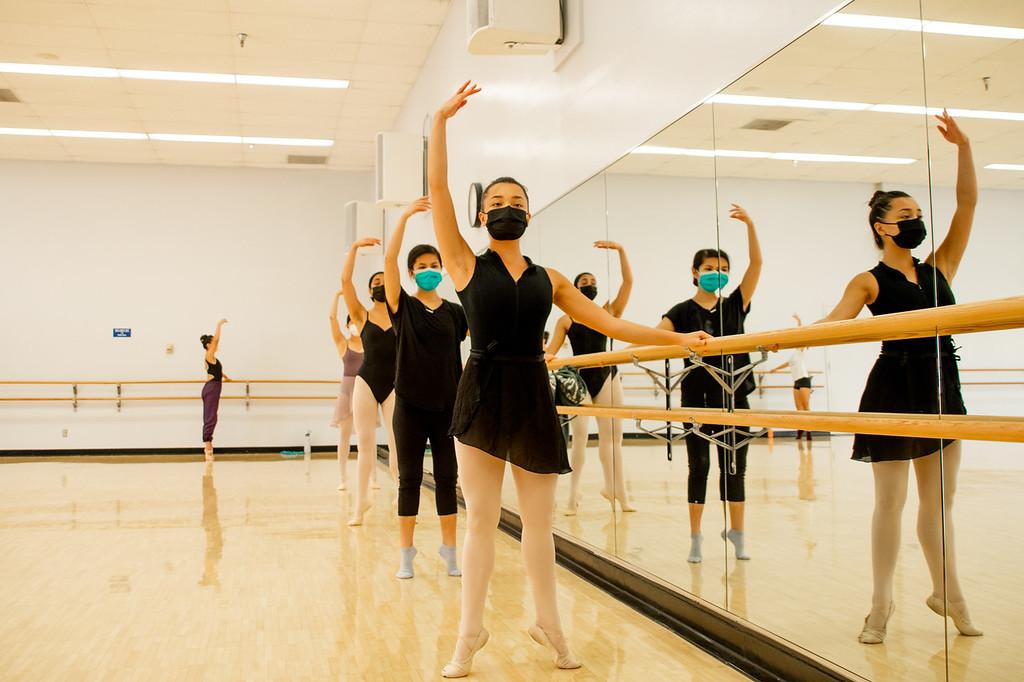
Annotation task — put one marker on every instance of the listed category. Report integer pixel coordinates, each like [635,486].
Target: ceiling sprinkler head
[241,39]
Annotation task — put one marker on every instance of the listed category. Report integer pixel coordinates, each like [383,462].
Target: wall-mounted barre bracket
[74,397]
[119,397]
[666,382]
[658,433]
[733,445]
[247,397]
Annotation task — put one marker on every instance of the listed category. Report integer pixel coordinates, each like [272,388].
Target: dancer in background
[215,377]
[797,365]
[350,351]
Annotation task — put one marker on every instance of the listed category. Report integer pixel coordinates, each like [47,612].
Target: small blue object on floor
[292,453]
[405,569]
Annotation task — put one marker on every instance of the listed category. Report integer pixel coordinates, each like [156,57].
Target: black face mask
[506,223]
[912,233]
[590,291]
[378,294]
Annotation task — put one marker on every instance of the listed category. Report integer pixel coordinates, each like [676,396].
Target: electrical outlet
[64,433]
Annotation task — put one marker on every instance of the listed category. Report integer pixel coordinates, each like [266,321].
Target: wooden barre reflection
[1006,429]
[963,318]
[116,399]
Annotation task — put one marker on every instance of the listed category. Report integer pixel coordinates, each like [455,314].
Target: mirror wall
[801,143]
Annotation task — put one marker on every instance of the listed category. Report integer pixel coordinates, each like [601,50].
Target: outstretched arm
[862,290]
[748,285]
[355,309]
[392,273]
[586,312]
[339,339]
[949,254]
[211,348]
[457,256]
[617,306]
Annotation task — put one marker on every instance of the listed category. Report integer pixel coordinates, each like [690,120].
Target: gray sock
[405,570]
[695,555]
[447,553]
[736,537]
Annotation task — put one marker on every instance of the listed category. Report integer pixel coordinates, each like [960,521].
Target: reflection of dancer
[604,387]
[429,363]
[797,365]
[904,379]
[504,409]
[375,384]
[211,391]
[211,524]
[350,350]
[707,310]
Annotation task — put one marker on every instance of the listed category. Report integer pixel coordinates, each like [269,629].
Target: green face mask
[713,281]
[428,278]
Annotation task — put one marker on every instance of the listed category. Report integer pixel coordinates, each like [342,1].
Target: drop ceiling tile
[172,61]
[99,113]
[414,35]
[349,10]
[297,50]
[152,19]
[177,152]
[47,148]
[374,111]
[392,55]
[165,41]
[431,12]
[321,131]
[361,95]
[197,101]
[267,66]
[272,100]
[290,27]
[219,124]
[74,97]
[19,116]
[378,73]
[50,38]
[51,14]
[68,56]
[202,5]
[65,84]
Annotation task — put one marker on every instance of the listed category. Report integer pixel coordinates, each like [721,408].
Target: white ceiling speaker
[401,168]
[363,219]
[503,27]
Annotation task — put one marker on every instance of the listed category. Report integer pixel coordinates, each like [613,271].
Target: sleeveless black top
[216,370]
[378,368]
[505,316]
[897,294]
[585,340]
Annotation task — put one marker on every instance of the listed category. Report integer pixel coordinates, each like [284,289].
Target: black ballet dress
[905,377]
[504,405]
[585,340]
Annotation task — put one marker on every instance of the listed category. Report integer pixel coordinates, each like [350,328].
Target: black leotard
[504,404]
[585,340]
[216,370]
[378,369]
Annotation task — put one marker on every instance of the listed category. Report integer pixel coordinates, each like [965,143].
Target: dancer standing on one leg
[350,350]
[904,379]
[430,333]
[604,388]
[504,410]
[374,389]
[718,315]
[211,390]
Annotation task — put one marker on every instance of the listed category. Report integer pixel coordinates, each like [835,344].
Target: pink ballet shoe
[357,517]
[873,635]
[961,619]
[563,657]
[624,504]
[574,506]
[461,668]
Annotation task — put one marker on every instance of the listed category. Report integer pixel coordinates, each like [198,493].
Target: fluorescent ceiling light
[1005,166]
[778,156]
[178,76]
[792,103]
[941,27]
[171,137]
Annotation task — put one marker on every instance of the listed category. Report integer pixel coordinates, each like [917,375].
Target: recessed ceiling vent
[766,124]
[8,96]
[305,160]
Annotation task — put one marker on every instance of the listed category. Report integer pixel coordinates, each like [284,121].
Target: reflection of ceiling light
[861,106]
[179,76]
[1005,166]
[943,27]
[170,137]
[778,156]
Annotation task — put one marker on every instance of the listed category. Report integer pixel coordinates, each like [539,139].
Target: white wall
[167,251]
[814,237]
[640,66]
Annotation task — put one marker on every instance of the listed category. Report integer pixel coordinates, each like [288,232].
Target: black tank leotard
[378,369]
[585,340]
[216,370]
[504,404]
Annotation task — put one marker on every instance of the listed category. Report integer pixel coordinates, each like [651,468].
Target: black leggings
[413,428]
[731,487]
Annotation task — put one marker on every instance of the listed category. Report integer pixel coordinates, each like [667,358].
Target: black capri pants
[731,487]
[413,427]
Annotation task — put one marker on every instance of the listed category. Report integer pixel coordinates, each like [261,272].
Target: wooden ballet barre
[963,318]
[167,381]
[1005,429]
[165,397]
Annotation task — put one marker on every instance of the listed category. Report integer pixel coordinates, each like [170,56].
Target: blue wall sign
[124,333]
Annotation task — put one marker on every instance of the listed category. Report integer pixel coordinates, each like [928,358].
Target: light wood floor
[155,571]
[808,528]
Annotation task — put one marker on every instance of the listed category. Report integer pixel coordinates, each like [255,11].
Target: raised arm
[862,290]
[949,254]
[748,285]
[392,272]
[558,336]
[211,348]
[586,312]
[355,309]
[340,342]
[455,252]
[617,306]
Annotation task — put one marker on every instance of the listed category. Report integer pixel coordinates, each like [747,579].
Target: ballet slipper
[563,657]
[573,507]
[624,504]
[343,486]
[357,517]
[461,668]
[961,620]
[872,635]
